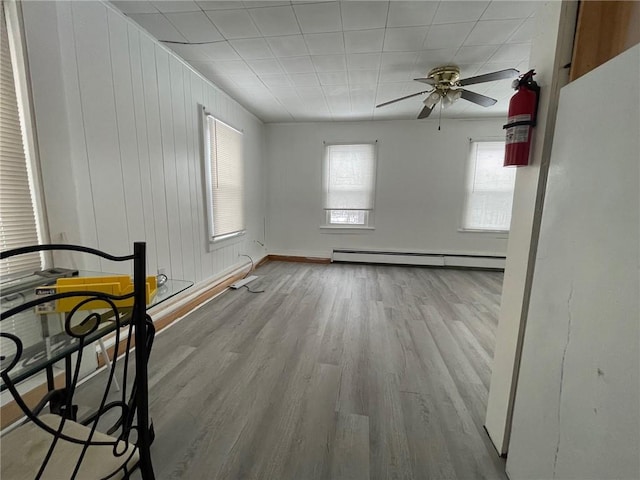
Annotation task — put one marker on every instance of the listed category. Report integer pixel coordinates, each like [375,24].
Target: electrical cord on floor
[251,269]
[253,291]
[247,274]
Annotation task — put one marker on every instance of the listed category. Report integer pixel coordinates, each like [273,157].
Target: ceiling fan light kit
[447,88]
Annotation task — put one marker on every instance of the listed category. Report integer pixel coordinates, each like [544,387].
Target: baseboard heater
[425,259]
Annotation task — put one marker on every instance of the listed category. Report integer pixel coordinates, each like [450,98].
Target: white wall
[550,52]
[577,411]
[420,187]
[117,120]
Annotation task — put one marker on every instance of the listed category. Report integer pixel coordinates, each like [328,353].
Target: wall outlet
[162,271]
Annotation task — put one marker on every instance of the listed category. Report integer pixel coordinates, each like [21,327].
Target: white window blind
[225,180]
[17,214]
[489,194]
[349,177]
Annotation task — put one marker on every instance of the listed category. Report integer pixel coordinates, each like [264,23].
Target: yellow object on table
[114,285]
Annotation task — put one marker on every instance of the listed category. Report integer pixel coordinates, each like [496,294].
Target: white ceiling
[335,60]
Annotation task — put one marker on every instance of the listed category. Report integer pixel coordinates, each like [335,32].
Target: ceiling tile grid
[336,60]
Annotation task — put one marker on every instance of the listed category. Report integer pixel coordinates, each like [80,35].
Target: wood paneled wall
[604,30]
[118,121]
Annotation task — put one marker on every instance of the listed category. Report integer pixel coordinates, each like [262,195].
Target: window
[489,189]
[18,224]
[349,178]
[225,180]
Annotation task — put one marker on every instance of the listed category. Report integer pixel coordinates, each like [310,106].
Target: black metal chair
[108,439]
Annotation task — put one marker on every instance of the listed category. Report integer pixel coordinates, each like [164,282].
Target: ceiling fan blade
[428,81]
[425,112]
[402,98]
[481,100]
[490,77]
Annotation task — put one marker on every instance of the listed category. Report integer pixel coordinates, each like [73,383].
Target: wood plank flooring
[334,372]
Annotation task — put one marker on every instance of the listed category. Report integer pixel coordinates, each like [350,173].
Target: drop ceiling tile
[195,26]
[233,23]
[411,13]
[457,12]
[220,51]
[293,65]
[222,81]
[179,6]
[257,91]
[363,15]
[230,67]
[190,52]
[339,106]
[274,80]
[288,46]
[524,33]
[238,93]
[272,21]
[311,93]
[495,66]
[475,54]
[492,32]
[469,69]
[364,61]
[218,5]
[265,3]
[251,48]
[324,43]
[394,76]
[398,61]
[404,39]
[265,66]
[135,7]
[389,91]
[333,78]
[247,80]
[283,91]
[329,63]
[363,77]
[206,68]
[512,52]
[361,92]
[509,9]
[319,17]
[364,41]
[158,26]
[524,66]
[428,59]
[293,104]
[336,91]
[304,79]
[451,35]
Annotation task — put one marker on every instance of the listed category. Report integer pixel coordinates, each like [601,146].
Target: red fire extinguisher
[523,110]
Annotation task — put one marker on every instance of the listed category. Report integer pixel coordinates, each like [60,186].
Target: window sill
[345,228]
[493,232]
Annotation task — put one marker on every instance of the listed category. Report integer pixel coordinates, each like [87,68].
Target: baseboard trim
[292,258]
[11,412]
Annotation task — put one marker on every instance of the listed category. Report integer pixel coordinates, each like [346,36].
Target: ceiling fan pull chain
[440,116]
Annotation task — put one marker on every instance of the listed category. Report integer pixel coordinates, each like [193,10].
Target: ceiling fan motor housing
[448,74]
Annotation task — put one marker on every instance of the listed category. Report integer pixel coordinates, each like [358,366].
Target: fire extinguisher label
[519,134]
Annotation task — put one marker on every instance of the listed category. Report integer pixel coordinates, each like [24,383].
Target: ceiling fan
[447,88]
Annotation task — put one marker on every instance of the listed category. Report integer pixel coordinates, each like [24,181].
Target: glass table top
[43,336]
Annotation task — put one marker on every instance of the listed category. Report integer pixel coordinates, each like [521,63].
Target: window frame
[470,169]
[20,65]
[212,238]
[368,213]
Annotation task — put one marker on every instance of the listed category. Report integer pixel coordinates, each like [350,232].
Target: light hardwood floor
[334,372]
